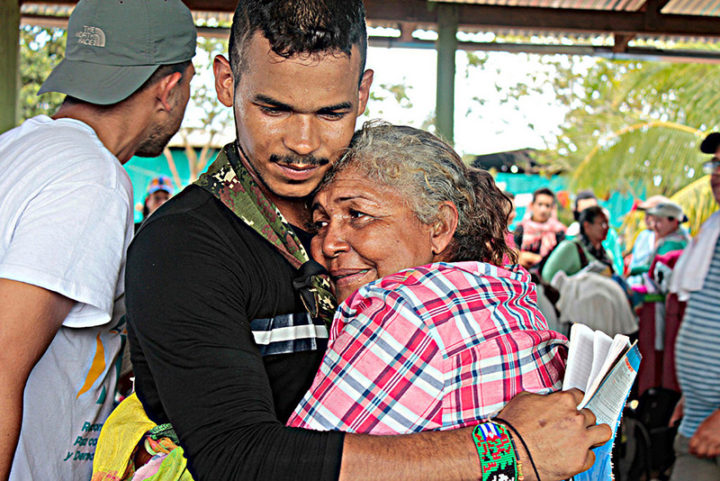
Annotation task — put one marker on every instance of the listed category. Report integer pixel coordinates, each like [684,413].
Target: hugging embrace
[228,320]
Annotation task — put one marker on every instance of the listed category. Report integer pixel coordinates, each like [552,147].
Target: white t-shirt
[65,225]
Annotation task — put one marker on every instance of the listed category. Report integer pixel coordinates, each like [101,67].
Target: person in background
[644,244]
[159,191]
[595,296]
[669,234]
[611,244]
[583,200]
[67,215]
[696,278]
[537,235]
[572,255]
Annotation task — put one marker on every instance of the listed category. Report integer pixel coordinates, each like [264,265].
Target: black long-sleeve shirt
[221,345]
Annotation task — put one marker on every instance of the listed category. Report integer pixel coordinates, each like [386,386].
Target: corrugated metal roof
[55,14]
[710,8]
[627,5]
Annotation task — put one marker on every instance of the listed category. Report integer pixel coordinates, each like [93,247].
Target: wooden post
[9,63]
[446,48]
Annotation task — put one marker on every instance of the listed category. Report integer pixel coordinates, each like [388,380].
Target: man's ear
[224,80]
[443,230]
[364,90]
[165,89]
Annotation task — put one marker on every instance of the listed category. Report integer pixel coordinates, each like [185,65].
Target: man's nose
[303,136]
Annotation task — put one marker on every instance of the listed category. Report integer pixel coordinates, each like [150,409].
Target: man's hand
[705,443]
[558,436]
[29,318]
[678,412]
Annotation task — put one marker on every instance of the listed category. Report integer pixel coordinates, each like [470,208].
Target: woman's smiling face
[366,231]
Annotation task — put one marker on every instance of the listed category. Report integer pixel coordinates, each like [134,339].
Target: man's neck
[118,129]
[295,211]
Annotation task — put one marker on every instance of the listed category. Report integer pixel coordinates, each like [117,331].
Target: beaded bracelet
[527,450]
[496,452]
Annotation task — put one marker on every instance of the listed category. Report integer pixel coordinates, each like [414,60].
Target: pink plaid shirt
[432,347]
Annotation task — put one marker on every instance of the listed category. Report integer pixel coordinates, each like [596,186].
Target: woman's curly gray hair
[428,172]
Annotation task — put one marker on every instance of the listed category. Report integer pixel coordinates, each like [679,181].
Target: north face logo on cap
[91,36]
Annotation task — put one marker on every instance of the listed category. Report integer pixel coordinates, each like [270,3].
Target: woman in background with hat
[669,236]
[159,191]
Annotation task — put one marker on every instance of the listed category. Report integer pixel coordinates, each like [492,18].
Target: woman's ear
[443,231]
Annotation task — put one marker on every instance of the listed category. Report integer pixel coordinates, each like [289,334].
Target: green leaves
[40,50]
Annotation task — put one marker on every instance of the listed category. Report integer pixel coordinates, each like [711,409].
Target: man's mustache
[299,160]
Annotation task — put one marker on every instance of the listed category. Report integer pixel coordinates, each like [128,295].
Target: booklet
[605,369]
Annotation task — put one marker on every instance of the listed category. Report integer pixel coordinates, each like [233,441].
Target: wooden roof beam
[647,21]
[620,42]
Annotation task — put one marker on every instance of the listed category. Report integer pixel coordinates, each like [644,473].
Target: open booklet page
[605,369]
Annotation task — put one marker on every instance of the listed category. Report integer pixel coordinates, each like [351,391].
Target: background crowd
[665,295]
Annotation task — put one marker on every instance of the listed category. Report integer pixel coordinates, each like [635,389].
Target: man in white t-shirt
[65,224]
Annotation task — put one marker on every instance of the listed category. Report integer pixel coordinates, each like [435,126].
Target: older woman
[430,347]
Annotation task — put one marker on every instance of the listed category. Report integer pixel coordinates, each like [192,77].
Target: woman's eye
[356,214]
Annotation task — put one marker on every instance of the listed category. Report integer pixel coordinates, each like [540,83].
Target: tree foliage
[638,125]
[206,119]
[40,50]
[630,126]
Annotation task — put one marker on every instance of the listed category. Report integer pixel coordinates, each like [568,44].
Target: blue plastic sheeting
[143,169]
[618,204]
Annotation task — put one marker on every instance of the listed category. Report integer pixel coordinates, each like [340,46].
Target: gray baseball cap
[668,209]
[114,46]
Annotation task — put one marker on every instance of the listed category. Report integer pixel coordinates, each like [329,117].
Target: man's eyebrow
[283,106]
[333,108]
[271,101]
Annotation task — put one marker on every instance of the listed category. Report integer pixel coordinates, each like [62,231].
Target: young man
[66,222]
[537,235]
[697,350]
[222,340]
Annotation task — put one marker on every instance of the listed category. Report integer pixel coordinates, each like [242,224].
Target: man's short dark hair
[543,191]
[583,195]
[299,26]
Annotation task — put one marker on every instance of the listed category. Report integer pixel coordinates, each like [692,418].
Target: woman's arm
[564,258]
